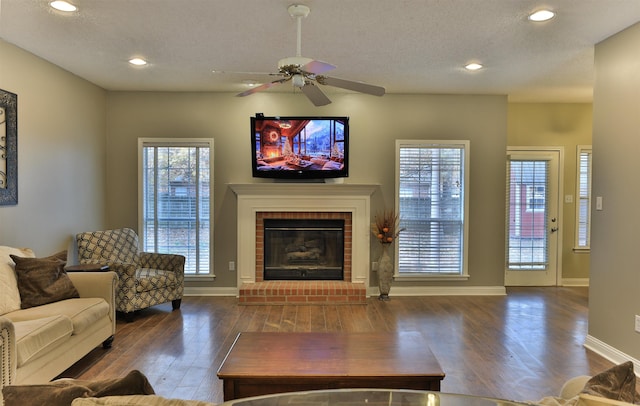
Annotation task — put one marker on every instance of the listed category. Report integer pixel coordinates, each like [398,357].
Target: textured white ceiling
[407,46]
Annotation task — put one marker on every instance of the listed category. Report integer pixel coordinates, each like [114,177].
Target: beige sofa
[40,342]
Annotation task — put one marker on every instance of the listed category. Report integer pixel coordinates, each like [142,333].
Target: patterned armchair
[146,278]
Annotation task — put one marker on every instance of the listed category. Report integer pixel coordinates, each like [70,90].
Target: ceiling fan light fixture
[298,81]
[61,5]
[541,15]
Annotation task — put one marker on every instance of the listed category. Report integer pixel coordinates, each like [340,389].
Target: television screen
[300,147]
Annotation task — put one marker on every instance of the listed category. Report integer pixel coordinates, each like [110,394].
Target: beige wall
[61,136]
[557,124]
[615,267]
[375,125]
[72,177]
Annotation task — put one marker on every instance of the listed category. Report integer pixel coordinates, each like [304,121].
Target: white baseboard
[210,291]
[373,291]
[442,291]
[612,354]
[577,282]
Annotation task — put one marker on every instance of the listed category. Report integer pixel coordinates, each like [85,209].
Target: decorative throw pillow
[10,298]
[137,400]
[617,383]
[62,392]
[43,280]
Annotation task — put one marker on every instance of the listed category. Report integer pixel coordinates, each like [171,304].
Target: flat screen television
[300,147]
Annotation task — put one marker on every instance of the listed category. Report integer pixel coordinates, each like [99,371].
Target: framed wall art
[8,148]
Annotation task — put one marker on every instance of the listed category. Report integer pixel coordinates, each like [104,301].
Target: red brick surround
[302,216]
[302,292]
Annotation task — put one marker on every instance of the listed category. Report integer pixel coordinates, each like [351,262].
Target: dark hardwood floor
[522,346]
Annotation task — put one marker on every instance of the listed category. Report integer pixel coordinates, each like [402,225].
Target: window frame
[464,145]
[577,247]
[179,142]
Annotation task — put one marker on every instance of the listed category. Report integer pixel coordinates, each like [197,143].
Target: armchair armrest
[97,284]
[167,262]
[8,354]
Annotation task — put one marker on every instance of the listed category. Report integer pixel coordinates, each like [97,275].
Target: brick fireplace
[302,201]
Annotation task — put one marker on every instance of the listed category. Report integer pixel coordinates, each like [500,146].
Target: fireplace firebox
[307,249]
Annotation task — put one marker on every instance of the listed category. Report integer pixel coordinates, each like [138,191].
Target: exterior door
[533,217]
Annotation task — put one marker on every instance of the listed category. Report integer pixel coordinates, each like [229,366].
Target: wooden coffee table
[266,363]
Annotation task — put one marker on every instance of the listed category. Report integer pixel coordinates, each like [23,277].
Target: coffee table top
[369,397]
[308,355]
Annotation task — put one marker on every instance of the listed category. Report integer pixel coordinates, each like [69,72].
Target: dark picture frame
[8,148]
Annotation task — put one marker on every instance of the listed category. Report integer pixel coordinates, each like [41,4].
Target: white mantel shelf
[254,198]
[302,189]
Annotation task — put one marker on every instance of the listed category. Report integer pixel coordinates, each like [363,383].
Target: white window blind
[583,209]
[431,207]
[527,183]
[175,200]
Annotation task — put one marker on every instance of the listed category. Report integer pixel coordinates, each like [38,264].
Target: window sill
[199,278]
[429,277]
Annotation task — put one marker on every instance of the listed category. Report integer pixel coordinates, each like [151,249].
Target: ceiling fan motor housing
[293,64]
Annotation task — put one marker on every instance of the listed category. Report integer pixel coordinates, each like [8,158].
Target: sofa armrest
[97,284]
[8,354]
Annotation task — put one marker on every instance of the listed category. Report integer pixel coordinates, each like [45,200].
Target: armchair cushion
[43,280]
[152,279]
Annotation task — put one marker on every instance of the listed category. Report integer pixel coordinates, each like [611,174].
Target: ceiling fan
[304,73]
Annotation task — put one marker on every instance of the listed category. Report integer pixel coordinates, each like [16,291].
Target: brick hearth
[302,292]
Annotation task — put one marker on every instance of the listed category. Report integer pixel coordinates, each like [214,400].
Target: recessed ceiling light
[137,61]
[473,66]
[63,6]
[542,15]
[249,82]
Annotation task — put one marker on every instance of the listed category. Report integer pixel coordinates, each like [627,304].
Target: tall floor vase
[385,272]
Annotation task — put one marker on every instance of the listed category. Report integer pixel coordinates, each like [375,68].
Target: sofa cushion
[137,400]
[39,336]
[10,298]
[592,400]
[43,280]
[64,391]
[83,312]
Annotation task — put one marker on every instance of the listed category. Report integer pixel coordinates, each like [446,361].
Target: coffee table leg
[228,388]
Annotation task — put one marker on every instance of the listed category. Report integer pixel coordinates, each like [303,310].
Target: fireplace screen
[303,249]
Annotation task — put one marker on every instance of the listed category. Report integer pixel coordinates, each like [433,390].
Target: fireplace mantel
[303,197]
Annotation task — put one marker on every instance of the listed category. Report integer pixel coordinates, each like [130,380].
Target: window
[174,200]
[431,183]
[583,193]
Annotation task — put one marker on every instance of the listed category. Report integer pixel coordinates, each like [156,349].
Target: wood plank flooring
[522,346]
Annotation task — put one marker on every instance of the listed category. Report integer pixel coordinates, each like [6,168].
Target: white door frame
[560,151]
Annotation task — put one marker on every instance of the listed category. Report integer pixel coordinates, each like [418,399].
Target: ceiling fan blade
[317,67]
[314,94]
[351,85]
[262,87]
